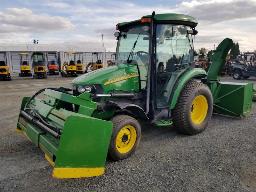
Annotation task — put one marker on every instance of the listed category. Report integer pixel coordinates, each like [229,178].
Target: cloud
[59,5]
[83,21]
[25,20]
[218,10]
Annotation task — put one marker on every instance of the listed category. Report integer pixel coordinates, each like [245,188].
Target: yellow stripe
[49,160]
[121,78]
[62,173]
[23,133]
[19,130]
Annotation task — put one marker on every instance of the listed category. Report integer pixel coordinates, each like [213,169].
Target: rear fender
[132,109]
[182,81]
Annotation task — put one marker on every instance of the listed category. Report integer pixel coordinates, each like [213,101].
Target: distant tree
[235,51]
[209,55]
[202,52]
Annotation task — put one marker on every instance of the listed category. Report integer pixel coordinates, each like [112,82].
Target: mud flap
[83,147]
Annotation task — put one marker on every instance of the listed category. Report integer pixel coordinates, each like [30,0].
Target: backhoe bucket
[74,143]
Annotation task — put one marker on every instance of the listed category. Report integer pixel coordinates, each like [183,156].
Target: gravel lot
[222,158]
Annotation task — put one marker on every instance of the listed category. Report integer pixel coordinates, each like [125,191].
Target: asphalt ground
[222,158]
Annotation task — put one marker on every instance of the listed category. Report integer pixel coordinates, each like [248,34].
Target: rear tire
[125,137]
[193,109]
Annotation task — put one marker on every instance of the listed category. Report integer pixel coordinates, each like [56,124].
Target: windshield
[133,48]
[38,57]
[133,45]
[174,45]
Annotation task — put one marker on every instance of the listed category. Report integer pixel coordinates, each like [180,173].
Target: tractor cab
[158,54]
[25,69]
[38,63]
[4,68]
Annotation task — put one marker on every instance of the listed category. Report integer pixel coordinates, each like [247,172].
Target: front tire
[125,137]
[237,74]
[193,109]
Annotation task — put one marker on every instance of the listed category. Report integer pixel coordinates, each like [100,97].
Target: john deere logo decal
[122,78]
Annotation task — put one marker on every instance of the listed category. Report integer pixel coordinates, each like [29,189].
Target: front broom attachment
[62,126]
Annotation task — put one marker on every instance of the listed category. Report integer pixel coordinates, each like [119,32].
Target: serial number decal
[122,78]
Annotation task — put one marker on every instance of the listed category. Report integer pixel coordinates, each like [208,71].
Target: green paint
[233,99]
[84,142]
[219,59]
[101,76]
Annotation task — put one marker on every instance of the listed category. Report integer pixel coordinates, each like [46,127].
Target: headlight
[88,89]
[82,89]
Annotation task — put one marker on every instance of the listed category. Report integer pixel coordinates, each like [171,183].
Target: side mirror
[192,32]
[117,34]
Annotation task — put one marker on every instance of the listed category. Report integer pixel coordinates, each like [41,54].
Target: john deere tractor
[152,81]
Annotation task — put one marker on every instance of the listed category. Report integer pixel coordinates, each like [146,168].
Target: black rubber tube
[42,126]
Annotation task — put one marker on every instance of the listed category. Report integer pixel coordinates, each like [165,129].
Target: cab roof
[172,18]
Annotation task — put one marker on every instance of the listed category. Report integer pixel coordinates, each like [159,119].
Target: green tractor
[152,81]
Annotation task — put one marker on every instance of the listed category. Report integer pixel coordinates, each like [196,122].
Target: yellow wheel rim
[125,139]
[199,109]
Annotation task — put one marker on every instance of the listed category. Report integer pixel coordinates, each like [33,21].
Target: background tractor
[152,82]
[69,69]
[52,63]
[78,56]
[112,60]
[4,68]
[38,63]
[25,69]
[94,65]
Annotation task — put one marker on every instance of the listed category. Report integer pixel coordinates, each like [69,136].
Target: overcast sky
[81,22]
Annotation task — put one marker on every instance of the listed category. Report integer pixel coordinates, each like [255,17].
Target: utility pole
[103,45]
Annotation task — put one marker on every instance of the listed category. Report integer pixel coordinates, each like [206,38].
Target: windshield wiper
[131,52]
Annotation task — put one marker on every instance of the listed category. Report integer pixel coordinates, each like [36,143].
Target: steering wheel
[140,53]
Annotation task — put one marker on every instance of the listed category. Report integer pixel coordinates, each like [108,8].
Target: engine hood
[121,77]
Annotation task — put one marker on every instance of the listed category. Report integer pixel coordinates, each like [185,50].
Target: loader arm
[219,59]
